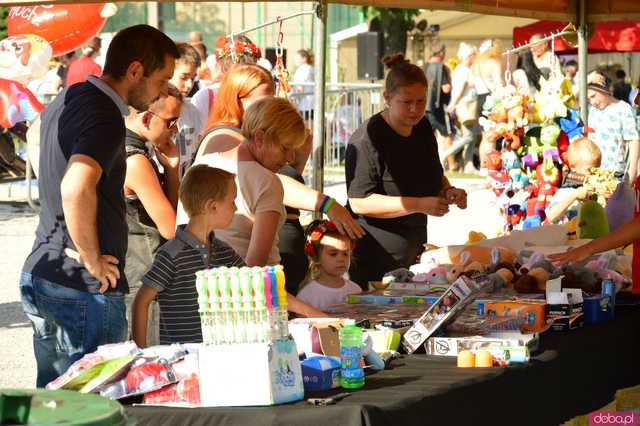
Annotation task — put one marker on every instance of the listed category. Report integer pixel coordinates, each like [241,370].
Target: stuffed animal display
[532,134]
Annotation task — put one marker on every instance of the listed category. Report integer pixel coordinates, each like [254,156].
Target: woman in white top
[464,105]
[304,74]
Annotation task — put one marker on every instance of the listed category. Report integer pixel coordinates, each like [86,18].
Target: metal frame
[320,34]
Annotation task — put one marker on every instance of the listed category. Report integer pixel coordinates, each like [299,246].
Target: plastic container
[351,362]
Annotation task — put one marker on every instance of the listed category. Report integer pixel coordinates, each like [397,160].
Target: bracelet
[328,205]
[325,200]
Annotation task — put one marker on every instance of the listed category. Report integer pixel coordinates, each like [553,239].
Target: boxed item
[247,374]
[316,335]
[531,312]
[452,346]
[320,373]
[566,322]
[452,301]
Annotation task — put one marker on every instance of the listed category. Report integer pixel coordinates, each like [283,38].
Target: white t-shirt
[190,128]
[259,190]
[321,297]
[203,100]
[304,74]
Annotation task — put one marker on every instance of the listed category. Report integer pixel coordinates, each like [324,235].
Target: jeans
[67,323]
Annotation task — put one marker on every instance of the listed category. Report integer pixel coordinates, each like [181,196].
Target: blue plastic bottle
[352,371]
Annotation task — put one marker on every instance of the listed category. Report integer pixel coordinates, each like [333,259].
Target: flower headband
[314,233]
[241,48]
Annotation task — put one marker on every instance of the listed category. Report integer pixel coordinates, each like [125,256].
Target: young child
[330,257]
[583,154]
[208,196]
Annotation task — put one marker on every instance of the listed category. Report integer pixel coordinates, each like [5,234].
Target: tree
[393,23]
[4,13]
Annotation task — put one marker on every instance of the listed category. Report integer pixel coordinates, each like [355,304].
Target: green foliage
[394,24]
[4,13]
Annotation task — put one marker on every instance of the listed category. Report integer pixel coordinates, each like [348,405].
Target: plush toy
[437,275]
[592,220]
[534,281]
[534,217]
[499,182]
[498,280]
[475,237]
[532,148]
[571,124]
[548,173]
[549,138]
[563,147]
[551,100]
[620,206]
[510,161]
[605,267]
[493,161]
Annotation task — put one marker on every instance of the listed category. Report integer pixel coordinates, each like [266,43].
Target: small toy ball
[466,359]
[484,359]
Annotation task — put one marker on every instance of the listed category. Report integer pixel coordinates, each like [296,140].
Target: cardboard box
[248,374]
[566,323]
[384,299]
[320,373]
[316,335]
[597,309]
[451,346]
[531,313]
[456,297]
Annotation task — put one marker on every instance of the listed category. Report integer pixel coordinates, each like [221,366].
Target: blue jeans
[67,323]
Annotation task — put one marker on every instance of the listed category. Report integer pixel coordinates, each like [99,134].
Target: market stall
[573,374]
[504,287]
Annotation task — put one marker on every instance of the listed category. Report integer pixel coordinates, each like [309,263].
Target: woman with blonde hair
[242,86]
[271,131]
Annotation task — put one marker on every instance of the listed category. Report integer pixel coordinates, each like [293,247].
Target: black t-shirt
[288,170]
[81,120]
[437,75]
[380,161]
[135,145]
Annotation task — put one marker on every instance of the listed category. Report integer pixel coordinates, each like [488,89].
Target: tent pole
[320,28]
[582,59]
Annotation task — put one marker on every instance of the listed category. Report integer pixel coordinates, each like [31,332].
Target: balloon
[65,26]
[24,57]
[17,104]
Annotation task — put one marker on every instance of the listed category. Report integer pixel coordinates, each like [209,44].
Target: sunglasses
[169,122]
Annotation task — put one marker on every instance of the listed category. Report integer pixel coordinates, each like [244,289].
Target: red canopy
[611,36]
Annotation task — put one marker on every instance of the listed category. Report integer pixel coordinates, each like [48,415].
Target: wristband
[328,205]
[325,200]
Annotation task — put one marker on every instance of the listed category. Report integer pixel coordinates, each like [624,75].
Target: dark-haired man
[73,282]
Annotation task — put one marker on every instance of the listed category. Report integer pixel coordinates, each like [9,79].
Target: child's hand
[583,192]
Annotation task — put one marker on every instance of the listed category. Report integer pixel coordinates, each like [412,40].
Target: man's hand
[104,268]
[168,155]
[345,223]
[456,196]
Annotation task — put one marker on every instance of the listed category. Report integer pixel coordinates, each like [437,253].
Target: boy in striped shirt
[208,196]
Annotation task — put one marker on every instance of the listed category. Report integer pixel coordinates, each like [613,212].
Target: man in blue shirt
[73,281]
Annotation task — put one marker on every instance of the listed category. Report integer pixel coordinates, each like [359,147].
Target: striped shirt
[173,276]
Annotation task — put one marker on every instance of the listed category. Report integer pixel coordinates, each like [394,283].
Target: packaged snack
[185,392]
[111,371]
[90,365]
[79,373]
[145,376]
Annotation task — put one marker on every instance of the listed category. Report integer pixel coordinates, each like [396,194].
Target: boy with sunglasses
[151,190]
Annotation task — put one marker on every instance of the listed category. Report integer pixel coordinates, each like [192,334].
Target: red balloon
[17,104]
[66,26]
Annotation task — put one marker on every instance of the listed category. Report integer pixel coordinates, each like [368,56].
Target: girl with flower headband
[244,52]
[329,253]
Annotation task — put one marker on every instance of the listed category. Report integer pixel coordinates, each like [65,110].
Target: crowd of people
[156,169]
[459,88]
